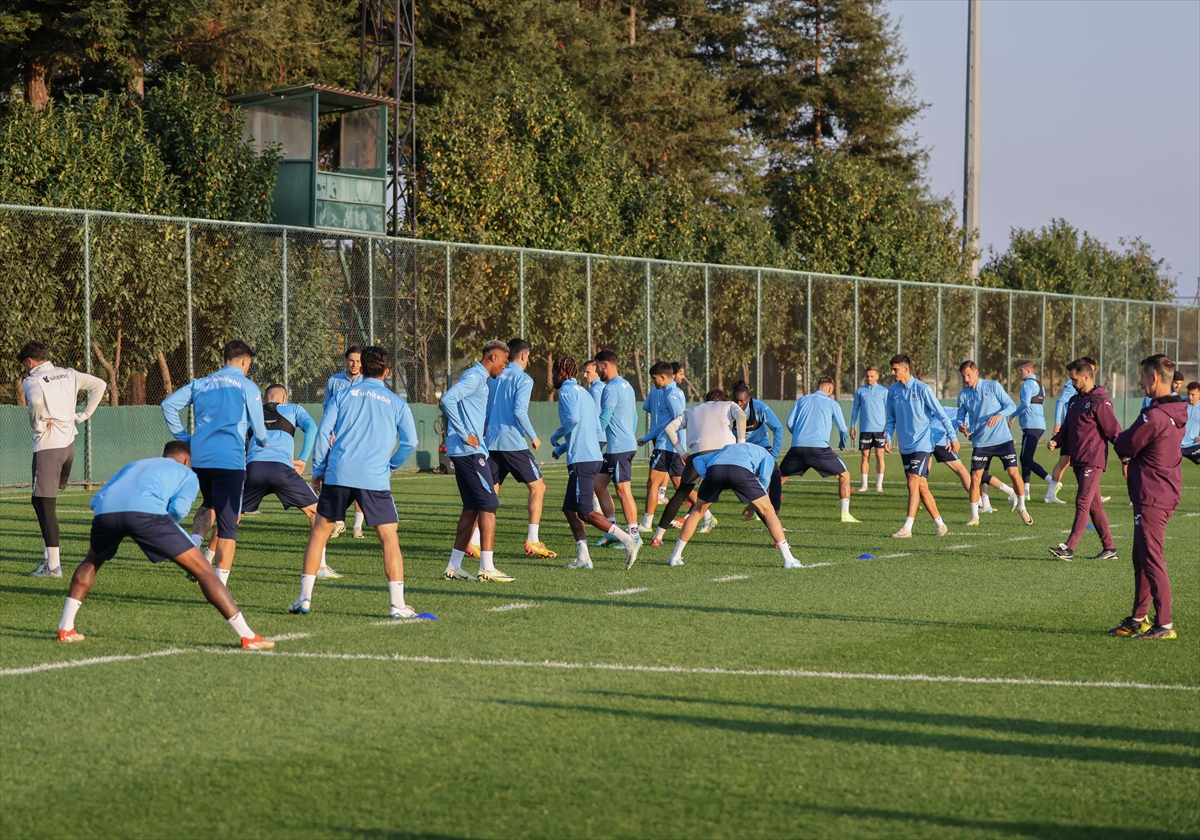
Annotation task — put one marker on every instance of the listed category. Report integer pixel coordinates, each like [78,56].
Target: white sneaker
[452,573]
[662,495]
[579,563]
[943,530]
[675,561]
[358,533]
[495,576]
[792,564]
[338,529]
[1106,499]
[326,573]
[631,552]
[971,522]
[1026,518]
[402,611]
[301,606]
[44,570]
[1013,501]
[902,534]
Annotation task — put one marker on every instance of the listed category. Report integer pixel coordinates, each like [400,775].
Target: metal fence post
[649,309]
[87,332]
[449,327]
[899,312]
[1100,357]
[708,334]
[371,291]
[191,320]
[1042,366]
[758,373]
[975,327]
[808,338]
[1125,387]
[521,282]
[857,354]
[1153,327]
[284,263]
[938,344]
[1073,329]
[591,346]
[1008,351]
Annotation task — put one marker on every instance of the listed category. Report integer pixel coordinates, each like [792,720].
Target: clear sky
[1091,112]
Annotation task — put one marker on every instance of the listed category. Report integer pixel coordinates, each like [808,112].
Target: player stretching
[712,425]
[1150,449]
[145,501]
[811,422]
[465,404]
[51,394]
[745,468]
[911,411]
[618,421]
[375,435]
[1088,428]
[225,405]
[578,435]
[760,420]
[1031,416]
[507,428]
[983,411]
[668,403]
[339,382]
[869,416]
[1191,435]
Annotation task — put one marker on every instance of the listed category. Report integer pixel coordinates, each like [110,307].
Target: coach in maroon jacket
[1151,450]
[1089,427]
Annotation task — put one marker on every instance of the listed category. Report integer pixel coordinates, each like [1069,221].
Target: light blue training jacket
[578,433]
[1191,431]
[280,445]
[1030,414]
[812,418]
[767,422]
[668,405]
[747,455]
[337,382]
[977,405]
[225,406]
[1064,397]
[375,434]
[465,405]
[596,389]
[152,485]
[508,410]
[869,413]
[618,416]
[911,410]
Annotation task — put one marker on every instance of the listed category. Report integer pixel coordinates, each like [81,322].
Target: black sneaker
[1062,552]
[1106,554]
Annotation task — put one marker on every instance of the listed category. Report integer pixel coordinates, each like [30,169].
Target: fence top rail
[349,234]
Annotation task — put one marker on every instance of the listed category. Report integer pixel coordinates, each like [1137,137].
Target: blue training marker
[1090,528]
[866,557]
[426,616]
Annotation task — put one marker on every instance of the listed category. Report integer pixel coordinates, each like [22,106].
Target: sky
[1091,113]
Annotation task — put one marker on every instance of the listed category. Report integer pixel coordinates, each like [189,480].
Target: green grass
[214,742]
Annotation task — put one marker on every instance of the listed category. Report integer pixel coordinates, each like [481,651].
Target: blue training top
[618,416]
[812,419]
[1031,411]
[977,405]
[912,411]
[375,434]
[225,406]
[337,382]
[1191,431]
[765,420]
[578,433]
[869,413]
[465,405]
[281,444]
[152,485]
[668,405]
[748,455]
[508,410]
[1064,397]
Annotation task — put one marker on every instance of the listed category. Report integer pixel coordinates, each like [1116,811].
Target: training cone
[425,616]
[866,557]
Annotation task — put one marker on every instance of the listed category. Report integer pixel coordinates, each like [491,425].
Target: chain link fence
[146,303]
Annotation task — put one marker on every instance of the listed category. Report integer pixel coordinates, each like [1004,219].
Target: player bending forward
[370,423]
[983,409]
[911,412]
[744,468]
[145,501]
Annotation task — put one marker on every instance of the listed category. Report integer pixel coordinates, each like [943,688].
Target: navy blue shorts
[917,463]
[221,490]
[266,477]
[475,483]
[943,455]
[1192,453]
[871,440]
[157,534]
[668,462]
[801,459]
[518,462]
[981,456]
[619,466]
[581,484]
[730,477]
[378,506]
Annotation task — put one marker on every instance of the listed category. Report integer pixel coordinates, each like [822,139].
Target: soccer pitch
[954,687]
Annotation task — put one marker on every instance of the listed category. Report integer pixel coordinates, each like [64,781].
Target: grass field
[725,698]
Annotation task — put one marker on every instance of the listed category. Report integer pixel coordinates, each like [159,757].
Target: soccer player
[911,411]
[1150,450]
[1089,426]
[593,382]
[51,395]
[1031,416]
[712,425]
[465,404]
[578,436]
[507,428]
[225,405]
[1064,461]
[811,421]
[869,416]
[1176,384]
[1191,436]
[145,501]
[618,421]
[764,429]
[745,468]
[339,382]
[375,434]
[665,465]
[983,411]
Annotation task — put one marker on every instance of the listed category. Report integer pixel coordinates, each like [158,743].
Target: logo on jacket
[482,461]
[1137,520]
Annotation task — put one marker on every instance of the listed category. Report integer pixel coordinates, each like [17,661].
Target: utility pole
[971,170]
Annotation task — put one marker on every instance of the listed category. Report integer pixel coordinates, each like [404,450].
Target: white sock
[1168,625]
[240,627]
[974,510]
[677,554]
[659,533]
[585,556]
[210,554]
[595,502]
[866,478]
[341,522]
[396,591]
[322,557]
[631,528]
[985,502]
[938,521]
[52,558]
[532,536]
[1008,491]
[647,521]
[307,582]
[879,481]
[707,516]
[845,505]
[45,554]
[1050,485]
[908,523]
[485,561]
[1021,503]
[617,534]
[358,519]
[785,549]
[68,618]
[223,574]
[456,558]
[475,538]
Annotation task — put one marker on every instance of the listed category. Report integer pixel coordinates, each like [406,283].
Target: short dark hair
[236,349]
[901,359]
[716,395]
[1193,386]
[274,386]
[1084,367]
[494,346]
[566,367]
[662,369]
[607,355]
[824,380]
[871,368]
[1027,363]
[1178,377]
[1090,361]
[1162,365]
[968,365]
[740,387]
[517,346]
[590,363]
[676,367]
[34,351]
[375,362]
[176,447]
[353,348]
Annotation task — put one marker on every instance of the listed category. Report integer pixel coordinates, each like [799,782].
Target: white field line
[814,565]
[1020,539]
[957,547]
[287,637]
[96,660]
[633,591]
[506,607]
[892,556]
[1192,514]
[728,578]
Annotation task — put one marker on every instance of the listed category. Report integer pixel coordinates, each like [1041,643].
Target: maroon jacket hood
[1088,428]
[1152,448]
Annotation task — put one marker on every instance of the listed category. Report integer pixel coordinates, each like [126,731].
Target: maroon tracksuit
[1090,425]
[1152,447]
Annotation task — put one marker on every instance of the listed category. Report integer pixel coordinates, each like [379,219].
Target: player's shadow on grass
[1056,831]
[889,737]
[996,724]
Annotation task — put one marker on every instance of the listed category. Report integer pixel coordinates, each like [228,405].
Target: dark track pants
[1150,581]
[1088,505]
[775,489]
[1029,445]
